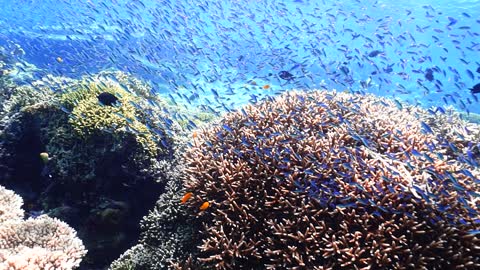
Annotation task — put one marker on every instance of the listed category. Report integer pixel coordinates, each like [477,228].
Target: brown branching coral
[331,181]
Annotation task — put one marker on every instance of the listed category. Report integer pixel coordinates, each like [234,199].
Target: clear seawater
[193,50]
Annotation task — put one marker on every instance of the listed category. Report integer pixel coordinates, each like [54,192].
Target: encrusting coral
[35,243]
[325,180]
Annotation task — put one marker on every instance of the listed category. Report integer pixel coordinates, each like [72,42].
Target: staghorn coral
[40,243]
[458,132]
[331,181]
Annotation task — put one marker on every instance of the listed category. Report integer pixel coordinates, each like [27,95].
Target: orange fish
[266,86]
[204,206]
[194,134]
[185,197]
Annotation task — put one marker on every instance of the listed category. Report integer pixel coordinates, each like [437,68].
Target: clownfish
[266,86]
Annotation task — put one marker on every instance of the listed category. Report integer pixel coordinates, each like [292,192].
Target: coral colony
[330,181]
[35,243]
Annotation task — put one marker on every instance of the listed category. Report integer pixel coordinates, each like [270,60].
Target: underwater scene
[254,134]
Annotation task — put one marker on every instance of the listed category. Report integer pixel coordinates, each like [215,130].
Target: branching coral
[331,181]
[10,205]
[40,243]
[89,116]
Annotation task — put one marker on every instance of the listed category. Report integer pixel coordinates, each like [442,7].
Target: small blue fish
[215,93]
[441,110]
[398,104]
[426,128]
[227,128]
[346,205]
[238,153]
[65,110]
[452,21]
[473,232]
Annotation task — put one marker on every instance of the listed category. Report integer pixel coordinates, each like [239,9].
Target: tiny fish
[59,59]
[107,99]
[186,197]
[44,157]
[346,205]
[204,206]
[285,75]
[65,110]
[429,74]
[295,66]
[470,74]
[473,232]
[227,128]
[452,21]
[345,70]
[266,86]
[475,89]
[215,93]
[374,53]
[426,128]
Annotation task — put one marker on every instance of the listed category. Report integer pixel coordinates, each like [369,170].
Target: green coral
[89,117]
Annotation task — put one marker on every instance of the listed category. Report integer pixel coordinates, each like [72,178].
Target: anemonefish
[204,206]
[186,197]
[266,86]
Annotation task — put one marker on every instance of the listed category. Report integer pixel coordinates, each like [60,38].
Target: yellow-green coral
[89,116]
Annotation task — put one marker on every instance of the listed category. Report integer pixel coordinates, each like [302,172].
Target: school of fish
[205,53]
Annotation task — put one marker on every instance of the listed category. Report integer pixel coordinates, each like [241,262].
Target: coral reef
[35,243]
[94,170]
[168,232]
[331,181]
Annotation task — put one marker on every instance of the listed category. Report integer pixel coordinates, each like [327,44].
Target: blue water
[221,53]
